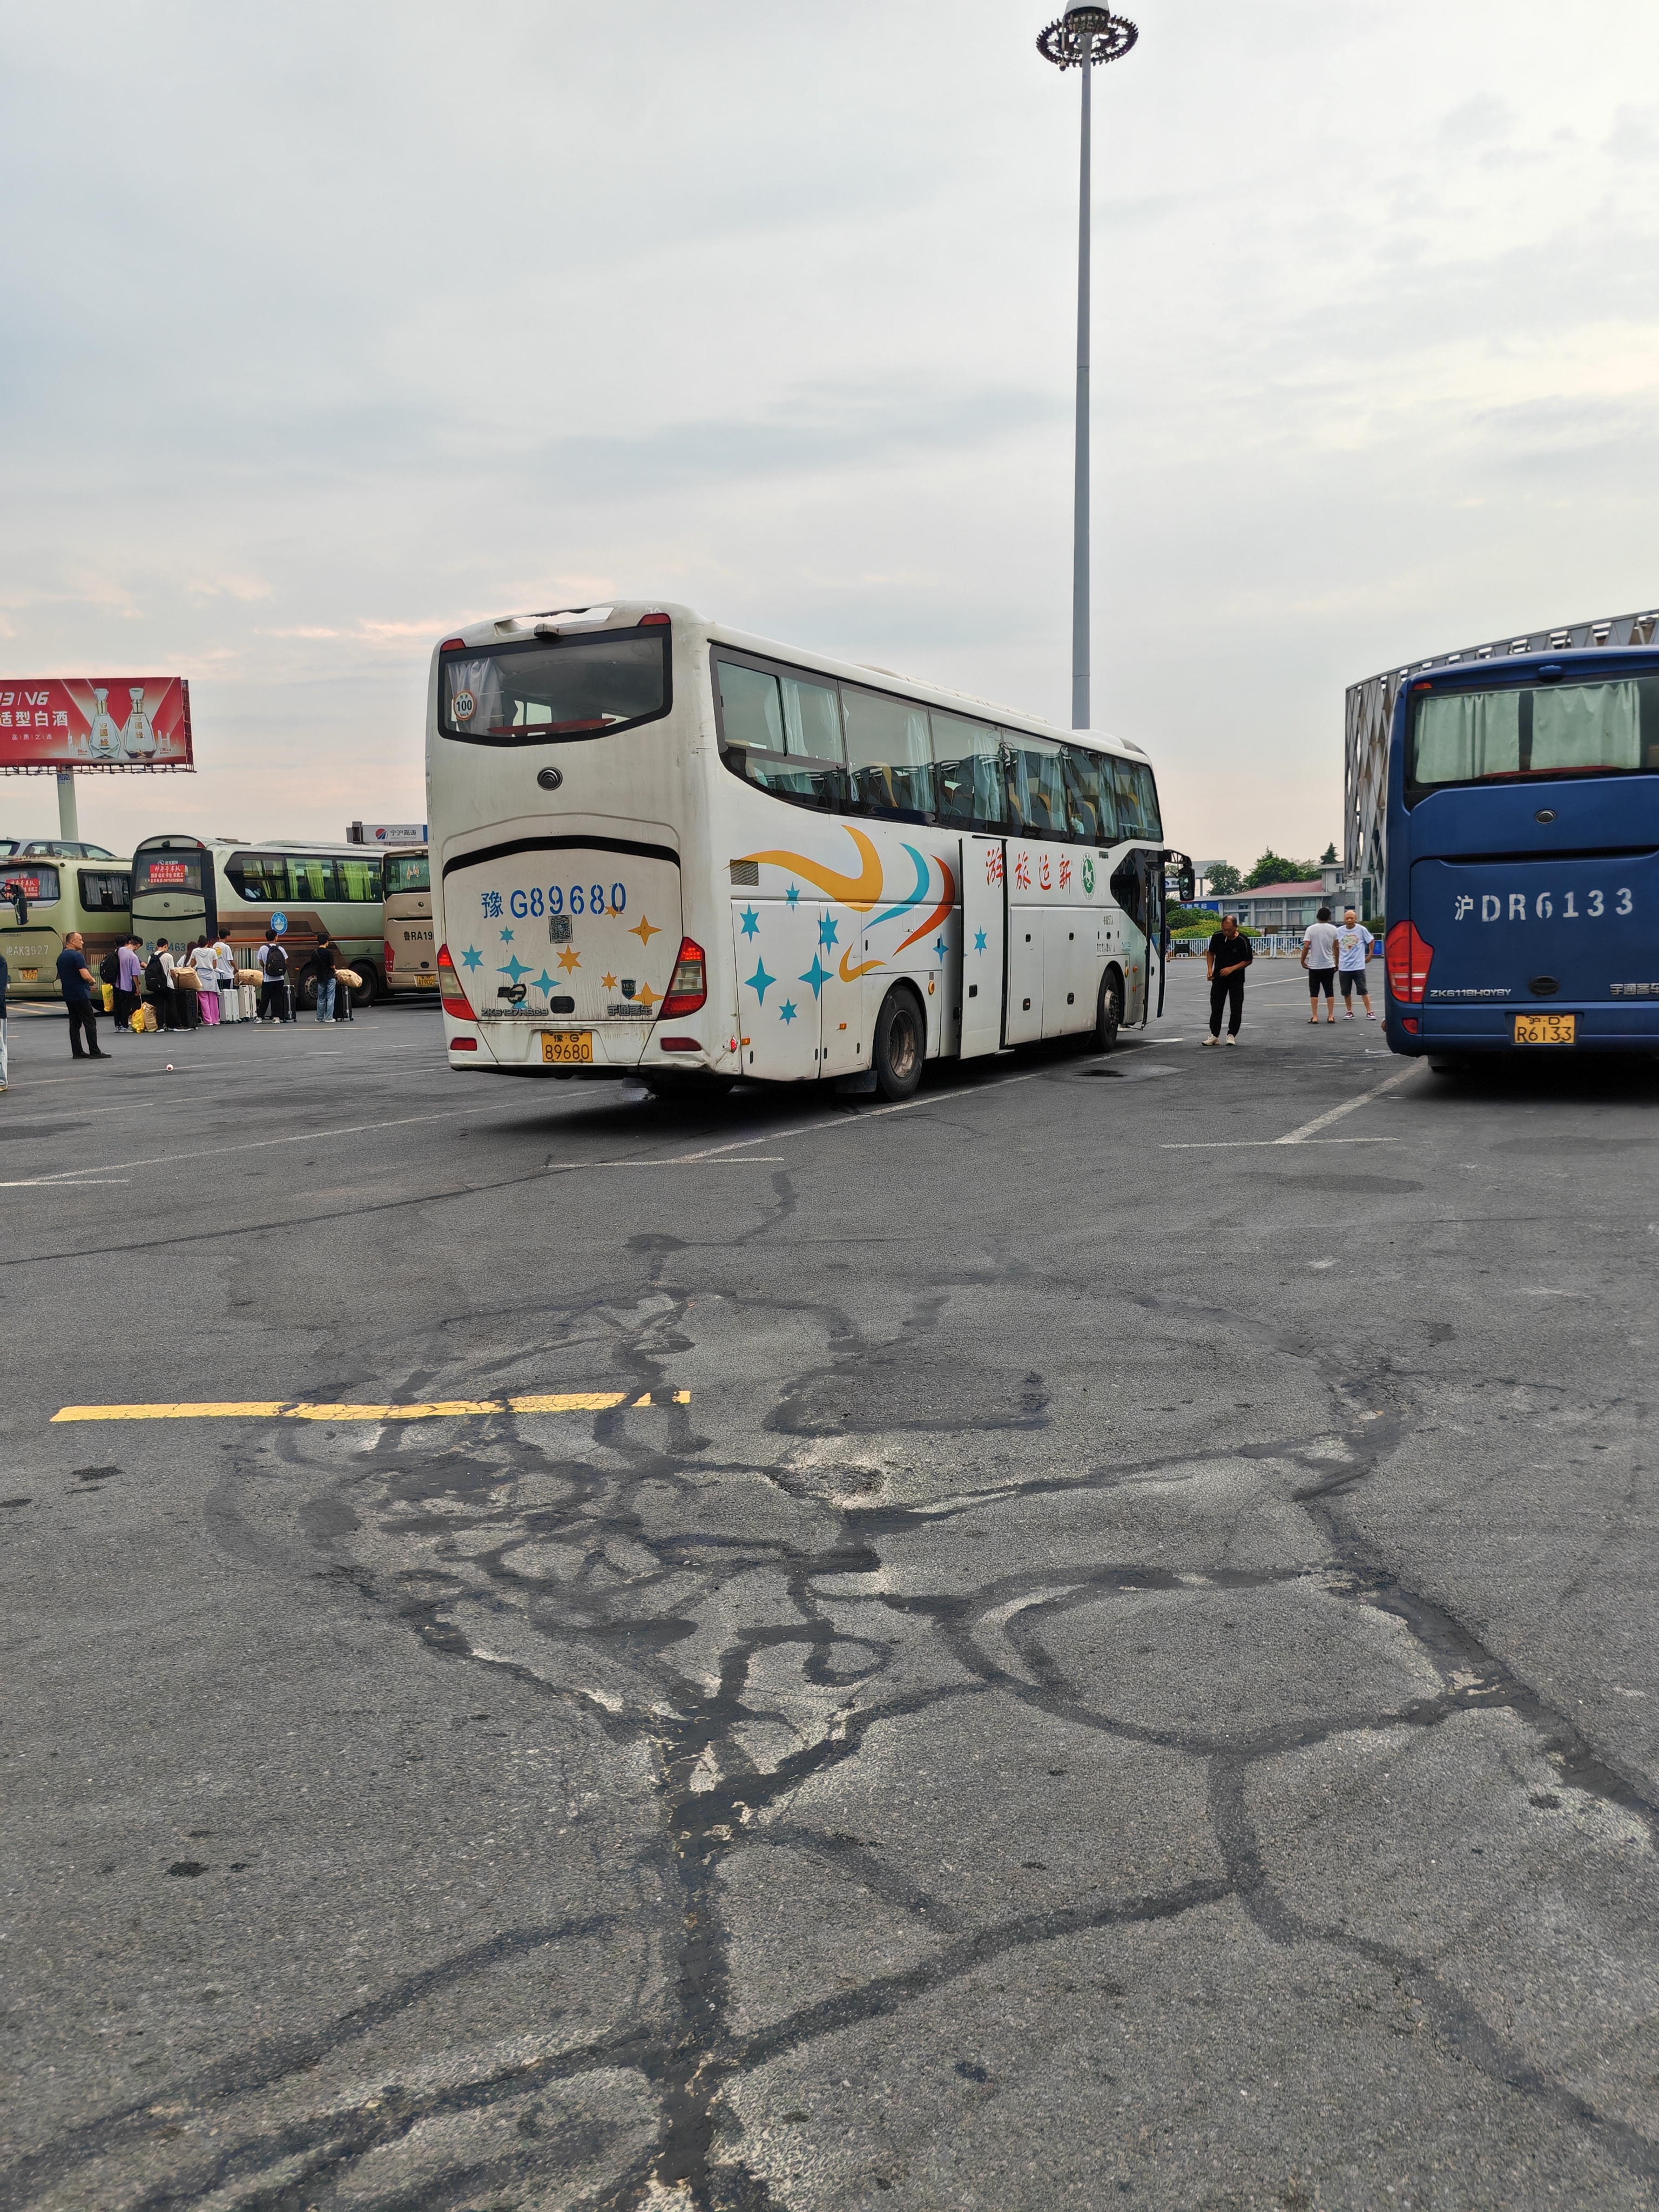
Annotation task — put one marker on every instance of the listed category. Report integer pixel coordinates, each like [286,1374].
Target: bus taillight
[689,987]
[455,1001]
[1407,956]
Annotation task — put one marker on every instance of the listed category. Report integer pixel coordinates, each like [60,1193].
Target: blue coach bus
[1523,857]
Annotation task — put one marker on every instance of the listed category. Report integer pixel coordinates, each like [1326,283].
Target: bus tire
[900,1044]
[1109,1011]
[305,992]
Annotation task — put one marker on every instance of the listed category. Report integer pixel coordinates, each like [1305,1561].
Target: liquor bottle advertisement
[110,722]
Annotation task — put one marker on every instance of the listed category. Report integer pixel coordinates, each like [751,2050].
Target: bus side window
[260,879]
[889,756]
[767,731]
[1037,786]
[968,774]
[105,892]
[311,876]
[1137,799]
[1088,797]
[357,880]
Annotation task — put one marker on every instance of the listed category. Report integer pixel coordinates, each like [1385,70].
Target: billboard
[386,833]
[89,723]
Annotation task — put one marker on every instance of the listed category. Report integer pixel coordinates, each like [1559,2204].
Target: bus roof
[182,839]
[625,614]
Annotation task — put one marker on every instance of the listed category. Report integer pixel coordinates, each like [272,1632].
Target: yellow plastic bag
[108,990]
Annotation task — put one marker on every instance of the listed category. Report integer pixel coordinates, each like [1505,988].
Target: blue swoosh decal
[915,897]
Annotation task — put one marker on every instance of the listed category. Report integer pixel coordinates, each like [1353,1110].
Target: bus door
[1176,864]
[980,985]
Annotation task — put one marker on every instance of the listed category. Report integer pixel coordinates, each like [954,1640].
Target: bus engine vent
[746,871]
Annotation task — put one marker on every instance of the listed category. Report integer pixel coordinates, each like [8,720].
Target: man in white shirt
[1354,949]
[1319,959]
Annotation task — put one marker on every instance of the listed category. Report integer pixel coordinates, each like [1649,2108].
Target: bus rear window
[1556,729]
[407,871]
[37,883]
[166,871]
[556,691]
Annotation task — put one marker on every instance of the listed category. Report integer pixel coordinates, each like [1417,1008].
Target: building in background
[1370,717]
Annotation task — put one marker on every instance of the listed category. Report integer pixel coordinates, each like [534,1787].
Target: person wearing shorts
[1319,959]
[1354,949]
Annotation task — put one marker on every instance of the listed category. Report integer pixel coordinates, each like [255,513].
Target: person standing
[224,969]
[1354,949]
[128,983]
[273,992]
[323,961]
[1229,954]
[205,968]
[158,981]
[1319,959]
[75,978]
[5,978]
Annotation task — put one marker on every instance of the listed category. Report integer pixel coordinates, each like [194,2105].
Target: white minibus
[662,848]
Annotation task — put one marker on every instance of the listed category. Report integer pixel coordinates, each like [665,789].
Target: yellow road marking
[437,1409]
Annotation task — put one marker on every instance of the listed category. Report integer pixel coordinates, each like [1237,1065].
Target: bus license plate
[1546,1029]
[29,974]
[566,1048]
[427,982]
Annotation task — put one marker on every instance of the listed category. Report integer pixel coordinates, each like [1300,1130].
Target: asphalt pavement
[1087,1639]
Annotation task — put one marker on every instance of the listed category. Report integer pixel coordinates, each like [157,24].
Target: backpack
[276,964]
[156,975]
[109,968]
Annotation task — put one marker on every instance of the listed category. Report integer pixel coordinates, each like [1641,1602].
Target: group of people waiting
[184,986]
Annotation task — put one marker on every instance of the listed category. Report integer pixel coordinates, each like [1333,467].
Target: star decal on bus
[938,946]
[979,940]
[760,980]
[793,894]
[607,982]
[570,960]
[749,920]
[472,958]
[645,930]
[645,996]
[827,931]
[545,983]
[786,1011]
[507,937]
[817,976]
[513,969]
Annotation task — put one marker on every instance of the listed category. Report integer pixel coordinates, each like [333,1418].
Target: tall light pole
[1082,39]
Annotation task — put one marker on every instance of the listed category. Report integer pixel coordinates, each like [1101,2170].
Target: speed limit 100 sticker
[463,706]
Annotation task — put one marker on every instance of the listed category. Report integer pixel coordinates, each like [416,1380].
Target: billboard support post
[68,819]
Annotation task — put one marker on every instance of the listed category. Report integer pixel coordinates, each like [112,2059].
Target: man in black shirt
[75,978]
[1229,954]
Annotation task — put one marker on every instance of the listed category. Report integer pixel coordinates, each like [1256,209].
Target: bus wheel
[900,1044]
[305,992]
[1109,1011]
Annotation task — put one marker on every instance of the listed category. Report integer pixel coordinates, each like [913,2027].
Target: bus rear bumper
[515,1048]
[1606,1026]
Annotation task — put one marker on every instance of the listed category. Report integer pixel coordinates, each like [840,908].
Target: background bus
[184,887]
[41,901]
[1523,856]
[412,954]
[663,847]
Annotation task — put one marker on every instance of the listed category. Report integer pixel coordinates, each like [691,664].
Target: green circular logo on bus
[1088,874]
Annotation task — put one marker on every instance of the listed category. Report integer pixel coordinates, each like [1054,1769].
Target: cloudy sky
[332,327]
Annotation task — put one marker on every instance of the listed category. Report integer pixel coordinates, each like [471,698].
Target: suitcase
[230,1003]
[249,994]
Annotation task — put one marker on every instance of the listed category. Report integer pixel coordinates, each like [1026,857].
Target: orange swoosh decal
[861,892]
[939,911]
[851,975]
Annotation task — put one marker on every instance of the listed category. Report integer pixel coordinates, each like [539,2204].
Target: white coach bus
[662,849]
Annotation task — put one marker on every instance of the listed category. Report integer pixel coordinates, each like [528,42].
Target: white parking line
[1306,1134]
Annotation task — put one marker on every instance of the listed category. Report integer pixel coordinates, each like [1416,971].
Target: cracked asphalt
[1130,1680]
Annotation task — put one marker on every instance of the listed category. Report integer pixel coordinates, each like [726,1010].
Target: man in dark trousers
[75,978]
[1229,955]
